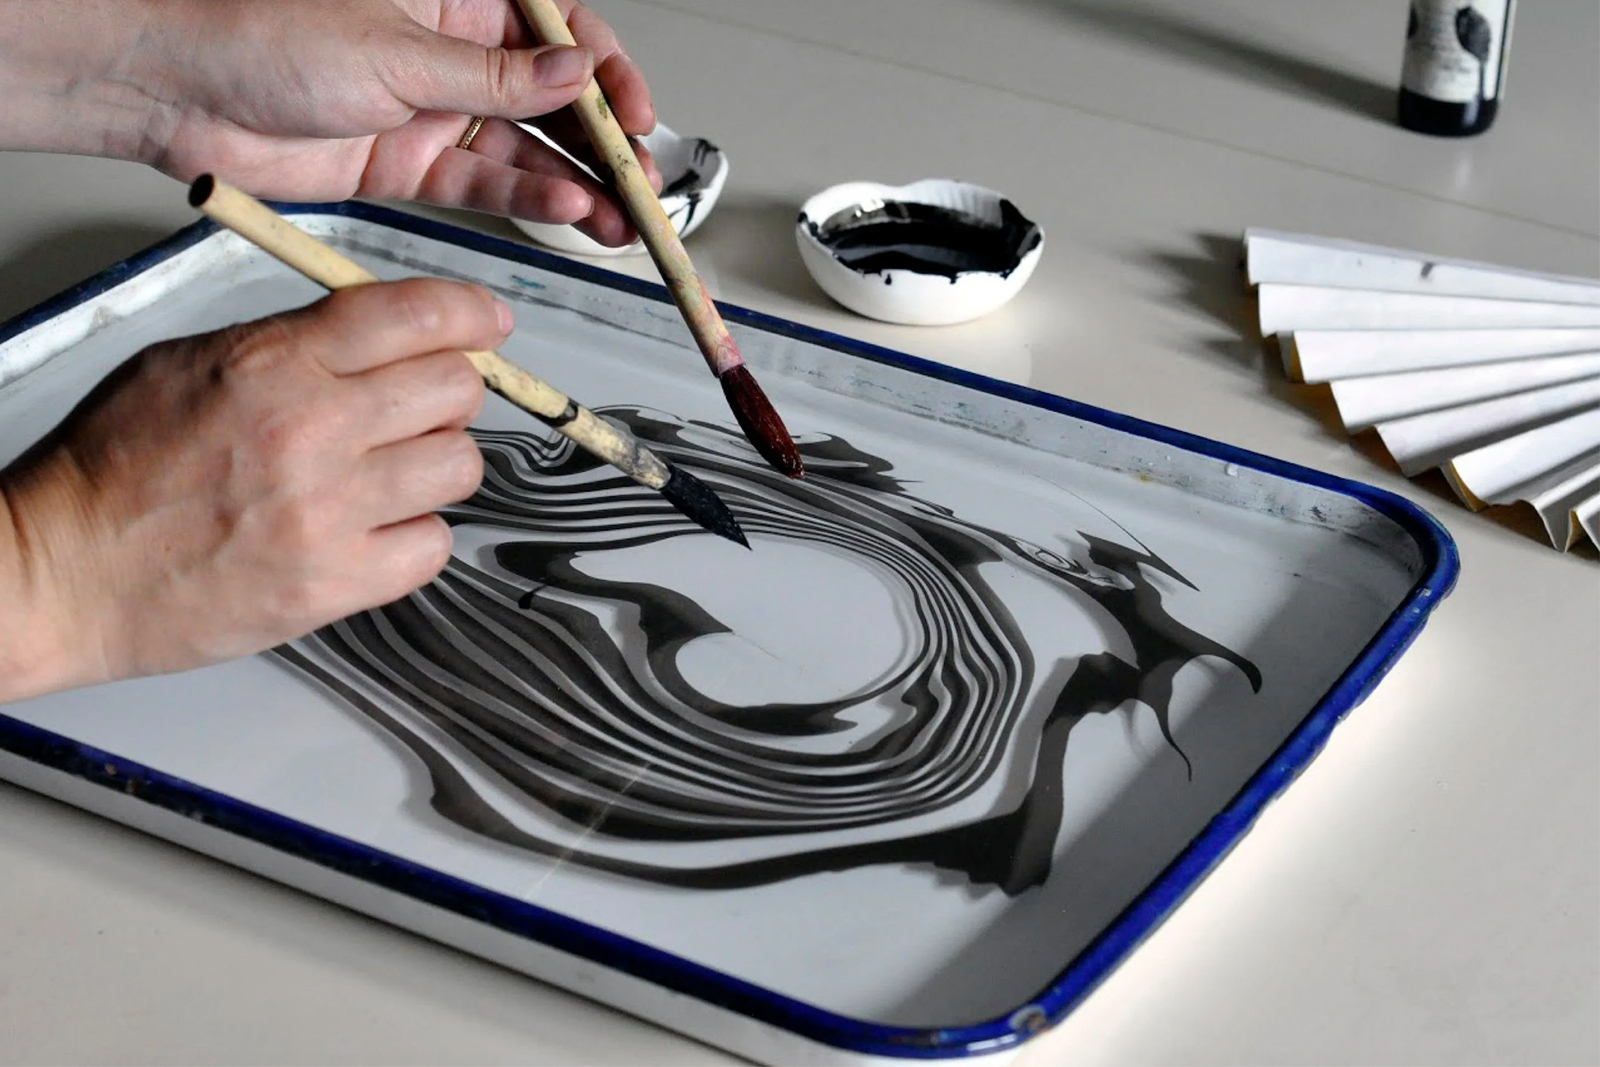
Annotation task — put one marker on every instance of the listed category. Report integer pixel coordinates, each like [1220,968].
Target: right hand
[311,100]
[224,493]
[375,97]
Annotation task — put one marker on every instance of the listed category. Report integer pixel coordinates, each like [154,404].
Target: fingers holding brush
[364,328]
[259,224]
[564,129]
[226,492]
[755,413]
[502,22]
[499,168]
[619,76]
[509,171]
[418,476]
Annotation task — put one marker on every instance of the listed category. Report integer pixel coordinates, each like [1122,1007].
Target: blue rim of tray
[1440,565]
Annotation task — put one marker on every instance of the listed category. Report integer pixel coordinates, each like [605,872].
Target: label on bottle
[1455,49]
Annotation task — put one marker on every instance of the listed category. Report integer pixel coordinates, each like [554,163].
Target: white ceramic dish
[693,172]
[980,268]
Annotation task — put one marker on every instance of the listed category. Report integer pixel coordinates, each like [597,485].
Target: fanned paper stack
[1490,374]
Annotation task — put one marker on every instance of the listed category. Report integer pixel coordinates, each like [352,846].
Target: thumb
[448,74]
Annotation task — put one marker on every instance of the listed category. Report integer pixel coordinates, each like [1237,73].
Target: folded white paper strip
[1434,438]
[1271,256]
[1488,373]
[1366,401]
[1324,355]
[1485,475]
[1323,307]
[1567,500]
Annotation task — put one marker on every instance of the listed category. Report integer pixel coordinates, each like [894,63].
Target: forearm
[68,77]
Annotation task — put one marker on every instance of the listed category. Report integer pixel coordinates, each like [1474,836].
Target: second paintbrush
[265,228]
[757,418]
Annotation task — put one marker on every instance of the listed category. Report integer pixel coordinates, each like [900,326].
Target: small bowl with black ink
[931,253]
[693,172]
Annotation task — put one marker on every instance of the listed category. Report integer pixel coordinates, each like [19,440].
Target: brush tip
[201,188]
[696,500]
[760,421]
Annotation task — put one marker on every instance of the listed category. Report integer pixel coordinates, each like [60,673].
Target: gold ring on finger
[472,131]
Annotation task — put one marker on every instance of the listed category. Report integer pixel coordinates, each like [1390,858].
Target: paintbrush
[756,416]
[271,232]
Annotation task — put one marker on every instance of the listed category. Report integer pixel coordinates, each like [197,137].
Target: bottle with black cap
[1455,65]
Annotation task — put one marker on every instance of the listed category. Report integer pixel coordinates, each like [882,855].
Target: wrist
[69,77]
[41,650]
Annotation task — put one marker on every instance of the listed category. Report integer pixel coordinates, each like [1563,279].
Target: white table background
[1428,892]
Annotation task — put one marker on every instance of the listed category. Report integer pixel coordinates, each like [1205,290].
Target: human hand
[307,100]
[224,493]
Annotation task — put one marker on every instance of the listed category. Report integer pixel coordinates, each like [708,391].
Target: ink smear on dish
[556,705]
[927,239]
[694,172]
[694,180]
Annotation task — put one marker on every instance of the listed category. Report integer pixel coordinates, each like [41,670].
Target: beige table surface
[1428,892]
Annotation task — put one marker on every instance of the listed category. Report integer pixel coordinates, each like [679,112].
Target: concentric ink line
[538,681]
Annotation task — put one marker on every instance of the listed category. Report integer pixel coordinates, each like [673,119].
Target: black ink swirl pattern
[566,688]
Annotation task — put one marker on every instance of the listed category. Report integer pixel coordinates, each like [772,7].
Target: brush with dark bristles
[271,232]
[757,418]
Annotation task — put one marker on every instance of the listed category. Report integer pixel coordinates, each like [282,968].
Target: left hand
[220,494]
[310,100]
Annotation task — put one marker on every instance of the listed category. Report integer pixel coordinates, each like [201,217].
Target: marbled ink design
[551,712]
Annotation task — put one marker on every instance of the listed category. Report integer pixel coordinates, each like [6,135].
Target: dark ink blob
[927,239]
[565,690]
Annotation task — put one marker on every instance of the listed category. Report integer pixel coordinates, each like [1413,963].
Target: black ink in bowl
[931,253]
[927,239]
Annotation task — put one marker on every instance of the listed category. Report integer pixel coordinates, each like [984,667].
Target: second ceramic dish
[693,172]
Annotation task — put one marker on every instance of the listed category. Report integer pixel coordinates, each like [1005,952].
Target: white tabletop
[1428,891]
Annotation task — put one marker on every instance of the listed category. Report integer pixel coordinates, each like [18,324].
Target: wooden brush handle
[644,207]
[265,228]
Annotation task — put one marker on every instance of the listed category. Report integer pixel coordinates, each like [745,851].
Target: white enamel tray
[1002,678]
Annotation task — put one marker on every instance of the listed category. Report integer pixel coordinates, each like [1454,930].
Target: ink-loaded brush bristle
[762,426]
[695,499]
[615,150]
